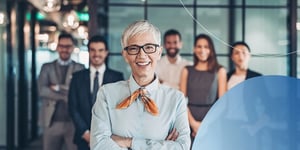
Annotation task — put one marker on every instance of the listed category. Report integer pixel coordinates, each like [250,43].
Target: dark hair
[213,65]
[172,32]
[66,35]
[97,38]
[239,43]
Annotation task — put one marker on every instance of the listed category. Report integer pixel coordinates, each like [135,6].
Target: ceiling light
[3,19]
[51,5]
[298,26]
[71,20]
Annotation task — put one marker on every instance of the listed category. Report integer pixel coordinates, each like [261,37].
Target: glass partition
[3,74]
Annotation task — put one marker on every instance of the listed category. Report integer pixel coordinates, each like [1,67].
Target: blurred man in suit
[84,86]
[53,83]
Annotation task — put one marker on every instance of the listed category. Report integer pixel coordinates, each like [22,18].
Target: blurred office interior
[29,31]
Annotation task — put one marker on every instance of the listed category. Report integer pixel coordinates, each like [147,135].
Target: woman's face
[142,64]
[201,50]
[240,56]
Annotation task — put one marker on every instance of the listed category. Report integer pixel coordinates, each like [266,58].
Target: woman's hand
[195,126]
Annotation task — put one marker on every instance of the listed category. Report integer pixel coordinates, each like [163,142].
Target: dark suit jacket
[80,99]
[250,74]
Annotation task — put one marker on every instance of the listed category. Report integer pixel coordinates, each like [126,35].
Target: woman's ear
[160,49]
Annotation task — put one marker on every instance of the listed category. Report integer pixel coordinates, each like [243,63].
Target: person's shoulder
[230,73]
[169,90]
[221,73]
[112,71]
[188,67]
[81,72]
[162,64]
[114,74]
[172,96]
[253,73]
[186,61]
[48,64]
[114,86]
[78,64]
[163,59]
[222,70]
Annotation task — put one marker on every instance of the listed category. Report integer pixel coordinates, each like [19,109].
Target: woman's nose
[141,53]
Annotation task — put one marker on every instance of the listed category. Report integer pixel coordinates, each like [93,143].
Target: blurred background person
[84,87]
[240,56]
[204,82]
[53,84]
[170,66]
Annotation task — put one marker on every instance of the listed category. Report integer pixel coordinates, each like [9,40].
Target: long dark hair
[213,65]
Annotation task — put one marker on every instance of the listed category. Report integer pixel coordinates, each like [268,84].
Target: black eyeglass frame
[142,47]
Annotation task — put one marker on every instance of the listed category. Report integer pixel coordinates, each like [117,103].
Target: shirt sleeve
[101,126]
[181,124]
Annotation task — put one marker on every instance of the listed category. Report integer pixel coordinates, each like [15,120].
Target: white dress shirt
[64,62]
[235,80]
[170,73]
[93,70]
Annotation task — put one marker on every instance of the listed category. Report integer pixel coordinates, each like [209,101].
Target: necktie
[149,104]
[95,87]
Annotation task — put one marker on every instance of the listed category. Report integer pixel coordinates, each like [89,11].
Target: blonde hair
[139,27]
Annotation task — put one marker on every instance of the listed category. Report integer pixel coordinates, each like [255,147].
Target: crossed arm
[102,136]
[50,91]
[125,142]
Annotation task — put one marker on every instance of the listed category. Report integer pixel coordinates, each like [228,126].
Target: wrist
[129,142]
[56,87]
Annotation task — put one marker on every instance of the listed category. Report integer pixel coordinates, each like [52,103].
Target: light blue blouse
[147,131]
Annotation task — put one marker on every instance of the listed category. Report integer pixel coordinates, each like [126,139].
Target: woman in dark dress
[203,82]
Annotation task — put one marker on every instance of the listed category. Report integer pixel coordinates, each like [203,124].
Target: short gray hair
[139,27]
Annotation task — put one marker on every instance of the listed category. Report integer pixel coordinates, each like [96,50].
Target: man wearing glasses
[54,80]
[140,113]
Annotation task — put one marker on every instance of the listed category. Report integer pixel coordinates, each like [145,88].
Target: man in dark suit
[84,86]
[240,55]
[54,80]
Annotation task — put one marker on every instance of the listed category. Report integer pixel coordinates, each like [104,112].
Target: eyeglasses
[147,48]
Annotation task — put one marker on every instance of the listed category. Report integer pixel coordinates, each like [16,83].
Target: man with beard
[84,87]
[170,66]
[240,55]
[54,81]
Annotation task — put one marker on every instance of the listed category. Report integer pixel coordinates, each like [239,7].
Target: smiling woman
[142,63]
[144,114]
